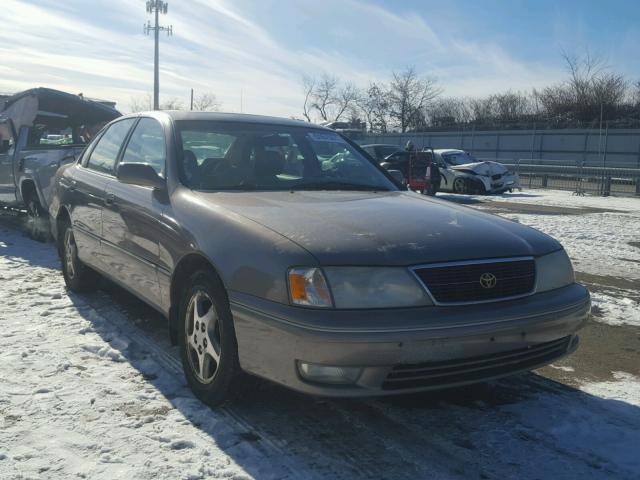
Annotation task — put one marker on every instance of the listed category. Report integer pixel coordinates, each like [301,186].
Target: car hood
[486,169]
[385,228]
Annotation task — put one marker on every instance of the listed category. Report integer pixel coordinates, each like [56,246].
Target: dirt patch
[533,209]
[139,411]
[609,284]
[603,349]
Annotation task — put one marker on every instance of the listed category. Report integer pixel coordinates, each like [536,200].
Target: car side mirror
[4,146]
[67,159]
[141,174]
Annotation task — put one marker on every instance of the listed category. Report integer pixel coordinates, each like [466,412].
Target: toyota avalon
[281,249]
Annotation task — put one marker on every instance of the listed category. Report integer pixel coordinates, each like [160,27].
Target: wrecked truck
[40,130]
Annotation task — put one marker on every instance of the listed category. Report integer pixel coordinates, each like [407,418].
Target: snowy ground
[91,388]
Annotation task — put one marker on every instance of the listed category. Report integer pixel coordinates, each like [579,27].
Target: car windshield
[236,156]
[459,158]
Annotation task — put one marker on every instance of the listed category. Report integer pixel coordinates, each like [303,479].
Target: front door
[132,218]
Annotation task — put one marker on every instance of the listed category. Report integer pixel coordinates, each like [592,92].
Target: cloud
[259,50]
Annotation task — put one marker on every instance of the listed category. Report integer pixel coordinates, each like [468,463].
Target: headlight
[308,287]
[375,287]
[356,287]
[554,271]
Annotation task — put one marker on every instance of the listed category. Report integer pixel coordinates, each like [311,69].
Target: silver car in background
[280,249]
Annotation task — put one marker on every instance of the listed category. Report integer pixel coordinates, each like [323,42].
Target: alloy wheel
[202,335]
[70,252]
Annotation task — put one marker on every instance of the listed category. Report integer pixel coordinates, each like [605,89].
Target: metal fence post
[473,134]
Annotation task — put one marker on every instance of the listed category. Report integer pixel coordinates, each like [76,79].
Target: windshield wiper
[338,186]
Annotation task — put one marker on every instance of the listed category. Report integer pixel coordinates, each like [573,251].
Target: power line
[157,7]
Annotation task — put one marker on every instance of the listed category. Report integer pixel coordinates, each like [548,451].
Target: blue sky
[263,48]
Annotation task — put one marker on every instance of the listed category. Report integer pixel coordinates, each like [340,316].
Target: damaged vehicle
[40,130]
[463,173]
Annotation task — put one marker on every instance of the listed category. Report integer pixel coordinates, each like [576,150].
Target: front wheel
[207,339]
[459,185]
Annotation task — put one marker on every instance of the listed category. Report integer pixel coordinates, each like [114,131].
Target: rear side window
[146,145]
[104,155]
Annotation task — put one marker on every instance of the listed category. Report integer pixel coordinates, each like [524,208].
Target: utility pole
[157,7]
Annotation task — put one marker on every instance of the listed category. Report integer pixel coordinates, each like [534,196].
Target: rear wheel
[77,276]
[38,221]
[207,340]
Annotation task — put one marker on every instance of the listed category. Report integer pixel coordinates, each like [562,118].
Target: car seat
[190,164]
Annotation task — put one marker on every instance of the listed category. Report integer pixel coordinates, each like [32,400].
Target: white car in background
[463,173]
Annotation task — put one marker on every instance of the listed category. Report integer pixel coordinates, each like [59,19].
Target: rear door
[132,219]
[88,184]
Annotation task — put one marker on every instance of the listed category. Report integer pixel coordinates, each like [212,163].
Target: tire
[38,221]
[77,276]
[207,340]
[459,185]
[478,188]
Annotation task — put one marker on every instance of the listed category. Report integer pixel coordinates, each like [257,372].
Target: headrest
[269,163]
[189,158]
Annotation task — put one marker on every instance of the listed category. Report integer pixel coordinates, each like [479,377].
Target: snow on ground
[85,392]
[626,387]
[615,310]
[71,403]
[594,240]
[565,198]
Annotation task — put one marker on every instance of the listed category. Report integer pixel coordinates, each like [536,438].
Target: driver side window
[146,145]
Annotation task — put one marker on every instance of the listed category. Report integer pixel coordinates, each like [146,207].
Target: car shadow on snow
[454,431]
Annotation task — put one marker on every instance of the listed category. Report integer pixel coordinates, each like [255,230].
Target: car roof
[57,101]
[184,115]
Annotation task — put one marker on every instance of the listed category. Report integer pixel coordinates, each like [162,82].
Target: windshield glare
[229,156]
[459,158]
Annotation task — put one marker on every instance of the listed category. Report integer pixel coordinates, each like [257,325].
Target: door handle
[109,199]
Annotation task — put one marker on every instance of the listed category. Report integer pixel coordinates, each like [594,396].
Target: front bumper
[273,337]
[509,181]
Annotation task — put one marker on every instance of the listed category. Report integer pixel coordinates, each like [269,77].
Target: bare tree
[206,102]
[374,105]
[309,86]
[172,103]
[141,103]
[409,94]
[324,96]
[511,106]
[635,95]
[345,101]
[591,91]
[449,111]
